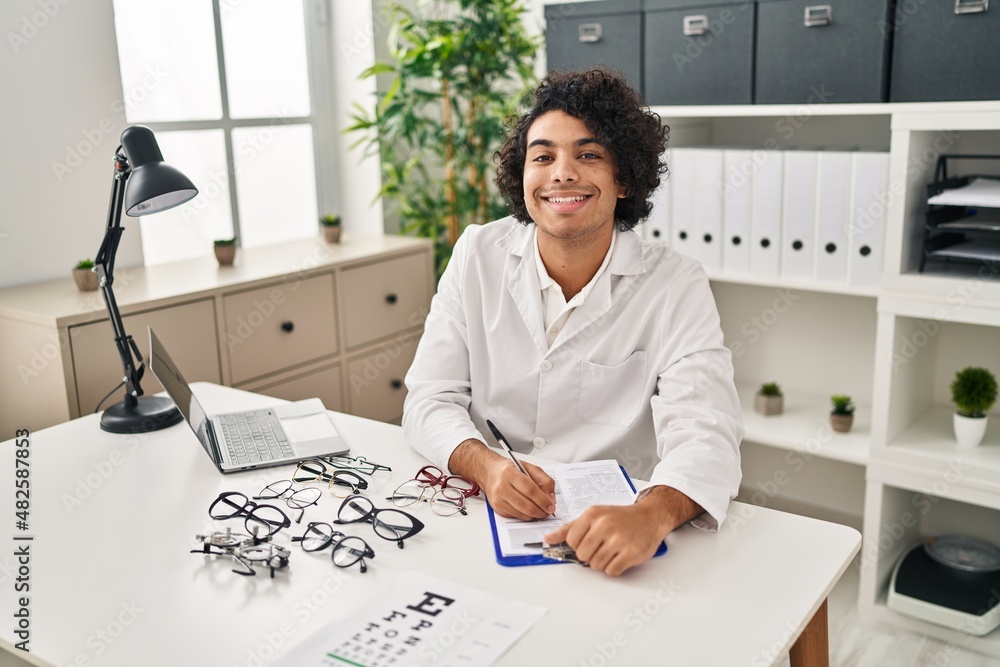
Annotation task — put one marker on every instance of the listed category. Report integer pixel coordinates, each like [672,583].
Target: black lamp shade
[154,186]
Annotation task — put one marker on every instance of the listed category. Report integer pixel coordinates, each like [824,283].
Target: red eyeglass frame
[435,477]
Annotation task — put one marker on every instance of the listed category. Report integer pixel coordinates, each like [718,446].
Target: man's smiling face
[569,179]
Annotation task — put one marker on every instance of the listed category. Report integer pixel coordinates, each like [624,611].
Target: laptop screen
[170,377]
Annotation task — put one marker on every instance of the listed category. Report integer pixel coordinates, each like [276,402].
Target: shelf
[785,283]
[804,427]
[929,445]
[875,109]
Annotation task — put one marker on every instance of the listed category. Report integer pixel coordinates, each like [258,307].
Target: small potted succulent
[84,276]
[225,251]
[842,416]
[974,391]
[769,399]
[331,228]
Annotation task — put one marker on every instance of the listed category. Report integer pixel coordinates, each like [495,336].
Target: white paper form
[979,192]
[419,621]
[578,486]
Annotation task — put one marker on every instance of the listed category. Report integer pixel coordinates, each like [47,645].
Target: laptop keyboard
[253,437]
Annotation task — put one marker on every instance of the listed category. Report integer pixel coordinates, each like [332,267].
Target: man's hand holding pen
[519,495]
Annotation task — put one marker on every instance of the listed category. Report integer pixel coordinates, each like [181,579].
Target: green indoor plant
[457,69]
[225,251]
[973,391]
[331,228]
[769,399]
[84,276]
[842,416]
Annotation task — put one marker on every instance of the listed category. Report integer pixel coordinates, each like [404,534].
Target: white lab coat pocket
[612,394]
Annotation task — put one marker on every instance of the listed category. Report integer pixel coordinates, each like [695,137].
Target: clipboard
[517,561]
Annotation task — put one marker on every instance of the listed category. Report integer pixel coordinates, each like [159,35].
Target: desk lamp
[152,186]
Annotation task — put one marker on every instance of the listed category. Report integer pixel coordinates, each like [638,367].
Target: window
[235,91]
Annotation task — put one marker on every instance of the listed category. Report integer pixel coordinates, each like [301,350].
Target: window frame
[318,61]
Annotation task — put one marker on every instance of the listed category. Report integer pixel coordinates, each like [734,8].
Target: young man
[576,338]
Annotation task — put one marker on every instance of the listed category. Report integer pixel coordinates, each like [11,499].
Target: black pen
[503,441]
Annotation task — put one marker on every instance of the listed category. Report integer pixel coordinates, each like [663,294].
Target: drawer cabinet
[279,326]
[383,299]
[324,384]
[375,381]
[187,330]
[291,321]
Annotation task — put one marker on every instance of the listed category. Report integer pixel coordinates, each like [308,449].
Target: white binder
[683,201]
[765,215]
[737,199]
[833,216]
[708,216]
[868,215]
[798,231]
[657,225]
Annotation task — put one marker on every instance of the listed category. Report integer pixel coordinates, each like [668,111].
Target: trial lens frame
[247,550]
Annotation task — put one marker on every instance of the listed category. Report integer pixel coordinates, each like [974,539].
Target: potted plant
[842,416]
[974,391]
[769,399]
[331,228]
[84,276]
[225,251]
[455,70]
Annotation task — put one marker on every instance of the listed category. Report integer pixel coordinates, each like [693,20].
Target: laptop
[255,438]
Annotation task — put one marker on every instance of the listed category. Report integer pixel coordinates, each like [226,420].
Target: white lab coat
[638,374]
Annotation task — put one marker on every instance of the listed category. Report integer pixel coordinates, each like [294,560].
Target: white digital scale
[951,580]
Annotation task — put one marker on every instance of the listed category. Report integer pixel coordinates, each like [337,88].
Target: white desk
[116,565]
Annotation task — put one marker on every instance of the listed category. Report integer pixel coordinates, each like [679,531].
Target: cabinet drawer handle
[695,25]
[590,32]
[818,15]
[287,326]
[797,245]
[831,248]
[396,384]
[971,6]
[391,298]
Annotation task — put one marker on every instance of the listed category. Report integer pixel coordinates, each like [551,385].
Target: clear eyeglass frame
[443,502]
[298,499]
[340,483]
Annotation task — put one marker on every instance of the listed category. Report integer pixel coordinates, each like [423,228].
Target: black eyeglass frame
[338,540]
[348,478]
[250,515]
[371,516]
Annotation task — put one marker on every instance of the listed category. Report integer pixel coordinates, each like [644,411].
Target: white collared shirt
[640,372]
[555,308]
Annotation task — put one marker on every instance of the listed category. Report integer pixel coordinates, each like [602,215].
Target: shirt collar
[546,282]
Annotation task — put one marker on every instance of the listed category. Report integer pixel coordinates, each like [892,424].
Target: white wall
[60,120]
[62,116]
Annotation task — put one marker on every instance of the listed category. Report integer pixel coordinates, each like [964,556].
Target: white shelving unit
[894,347]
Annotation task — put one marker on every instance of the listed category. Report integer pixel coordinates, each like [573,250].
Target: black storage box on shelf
[965,227]
[946,50]
[832,51]
[606,32]
[698,51]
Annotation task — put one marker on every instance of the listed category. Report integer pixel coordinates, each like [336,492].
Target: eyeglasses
[346,550]
[247,550]
[435,477]
[342,483]
[298,499]
[445,502]
[389,524]
[268,518]
[355,463]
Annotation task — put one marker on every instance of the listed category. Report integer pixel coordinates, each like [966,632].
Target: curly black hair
[615,113]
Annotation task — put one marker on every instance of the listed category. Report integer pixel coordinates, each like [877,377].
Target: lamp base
[151,414]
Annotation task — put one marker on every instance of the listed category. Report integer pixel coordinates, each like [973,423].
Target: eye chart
[419,621]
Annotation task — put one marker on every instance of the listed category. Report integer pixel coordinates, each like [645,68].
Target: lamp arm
[104,267]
